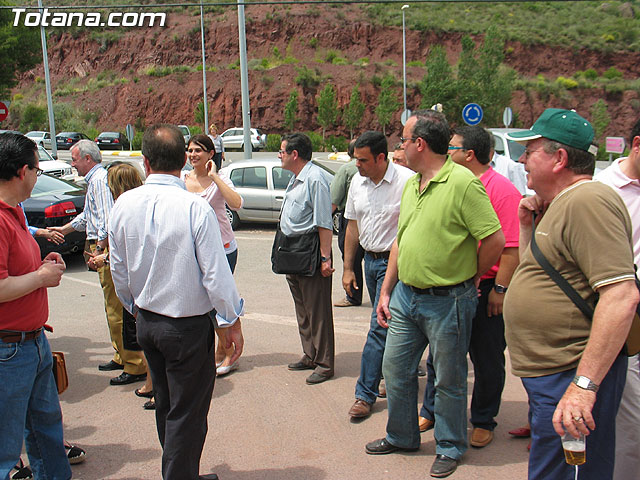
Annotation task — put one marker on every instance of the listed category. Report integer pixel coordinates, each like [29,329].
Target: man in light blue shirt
[170,269]
[307,208]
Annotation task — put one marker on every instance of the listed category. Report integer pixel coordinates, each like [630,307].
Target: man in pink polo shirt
[470,147]
[624,177]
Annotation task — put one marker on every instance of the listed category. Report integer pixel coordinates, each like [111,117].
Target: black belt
[12,336]
[378,255]
[439,291]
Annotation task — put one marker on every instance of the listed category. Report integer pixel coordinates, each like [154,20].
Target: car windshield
[44,155]
[34,134]
[108,135]
[46,185]
[515,150]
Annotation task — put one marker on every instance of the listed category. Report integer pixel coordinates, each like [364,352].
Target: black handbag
[295,254]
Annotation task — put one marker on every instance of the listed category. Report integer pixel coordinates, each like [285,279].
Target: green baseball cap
[564,126]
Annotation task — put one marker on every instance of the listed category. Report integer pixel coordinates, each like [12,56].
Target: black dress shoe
[126,378]
[300,366]
[316,378]
[382,447]
[443,466]
[107,367]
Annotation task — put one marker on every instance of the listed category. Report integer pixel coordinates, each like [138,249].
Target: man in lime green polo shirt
[429,295]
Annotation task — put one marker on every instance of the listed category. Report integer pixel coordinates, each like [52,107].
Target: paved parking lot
[264,422]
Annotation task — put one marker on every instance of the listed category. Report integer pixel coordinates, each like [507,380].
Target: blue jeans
[546,460]
[443,323]
[371,363]
[486,350]
[30,409]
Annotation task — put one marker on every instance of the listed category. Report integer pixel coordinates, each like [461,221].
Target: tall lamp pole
[404,59]
[204,74]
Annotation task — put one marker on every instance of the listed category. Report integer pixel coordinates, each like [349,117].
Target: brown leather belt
[378,255]
[12,336]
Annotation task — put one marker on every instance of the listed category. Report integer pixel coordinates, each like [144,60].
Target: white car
[55,167]
[234,138]
[40,137]
[506,147]
[186,134]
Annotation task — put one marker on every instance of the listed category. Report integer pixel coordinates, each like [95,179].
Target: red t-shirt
[505,199]
[19,255]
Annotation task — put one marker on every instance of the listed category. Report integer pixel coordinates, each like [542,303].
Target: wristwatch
[500,288]
[585,383]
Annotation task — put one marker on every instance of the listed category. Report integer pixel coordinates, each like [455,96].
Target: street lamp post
[404,60]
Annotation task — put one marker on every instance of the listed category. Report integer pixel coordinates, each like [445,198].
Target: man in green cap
[572,367]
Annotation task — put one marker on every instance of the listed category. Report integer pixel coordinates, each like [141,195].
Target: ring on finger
[577,419]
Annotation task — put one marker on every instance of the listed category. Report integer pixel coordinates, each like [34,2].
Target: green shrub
[136,143]
[612,73]
[362,62]
[316,141]
[415,63]
[568,83]
[313,42]
[273,142]
[307,78]
[341,144]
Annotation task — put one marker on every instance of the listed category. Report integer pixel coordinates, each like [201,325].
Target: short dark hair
[579,161]
[433,128]
[476,139]
[16,151]
[204,142]
[376,141]
[163,147]
[635,132]
[299,142]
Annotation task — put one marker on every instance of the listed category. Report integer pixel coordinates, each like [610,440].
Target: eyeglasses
[281,152]
[453,147]
[528,153]
[405,140]
[39,171]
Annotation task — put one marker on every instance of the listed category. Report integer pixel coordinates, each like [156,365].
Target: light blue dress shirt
[97,205]
[166,253]
[307,202]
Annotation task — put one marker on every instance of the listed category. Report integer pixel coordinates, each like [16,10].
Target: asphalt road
[264,422]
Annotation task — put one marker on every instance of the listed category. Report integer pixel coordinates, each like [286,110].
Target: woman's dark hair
[204,142]
[16,151]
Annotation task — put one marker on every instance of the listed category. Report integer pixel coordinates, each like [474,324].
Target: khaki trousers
[132,360]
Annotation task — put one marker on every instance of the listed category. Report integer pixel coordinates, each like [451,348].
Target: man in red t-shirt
[30,405]
[470,147]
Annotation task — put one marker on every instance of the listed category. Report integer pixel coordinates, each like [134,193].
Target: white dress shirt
[167,255]
[376,207]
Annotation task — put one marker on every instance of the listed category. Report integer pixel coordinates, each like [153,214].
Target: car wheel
[336,223]
[234,220]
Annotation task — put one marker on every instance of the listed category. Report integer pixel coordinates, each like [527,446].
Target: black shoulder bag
[632,345]
[295,254]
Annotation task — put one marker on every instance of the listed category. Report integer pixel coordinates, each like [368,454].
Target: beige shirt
[586,235]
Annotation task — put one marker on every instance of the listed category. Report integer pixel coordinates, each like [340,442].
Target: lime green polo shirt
[440,227]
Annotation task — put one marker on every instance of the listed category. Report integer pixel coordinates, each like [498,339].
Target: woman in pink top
[218,190]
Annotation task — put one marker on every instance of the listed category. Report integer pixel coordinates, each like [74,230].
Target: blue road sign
[472,114]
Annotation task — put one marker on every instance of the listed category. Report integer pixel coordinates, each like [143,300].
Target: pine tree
[290,111]
[352,115]
[327,108]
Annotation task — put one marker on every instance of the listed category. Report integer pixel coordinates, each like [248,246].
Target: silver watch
[585,383]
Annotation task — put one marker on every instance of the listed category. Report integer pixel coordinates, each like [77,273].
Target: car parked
[112,141]
[262,184]
[40,137]
[56,168]
[66,140]
[53,203]
[506,147]
[186,133]
[234,138]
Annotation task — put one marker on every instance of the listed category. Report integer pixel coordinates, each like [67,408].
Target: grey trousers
[312,299]
[180,354]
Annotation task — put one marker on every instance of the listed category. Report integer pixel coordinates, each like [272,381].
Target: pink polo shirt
[505,199]
[629,191]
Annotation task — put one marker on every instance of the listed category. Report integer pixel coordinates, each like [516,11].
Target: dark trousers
[486,350]
[546,460]
[356,298]
[181,360]
[312,299]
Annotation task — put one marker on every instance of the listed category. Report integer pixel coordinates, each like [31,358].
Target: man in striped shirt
[86,158]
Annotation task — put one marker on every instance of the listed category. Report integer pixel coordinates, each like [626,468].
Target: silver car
[261,184]
[40,137]
[234,138]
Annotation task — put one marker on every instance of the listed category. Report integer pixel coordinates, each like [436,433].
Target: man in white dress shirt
[372,209]
[170,269]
